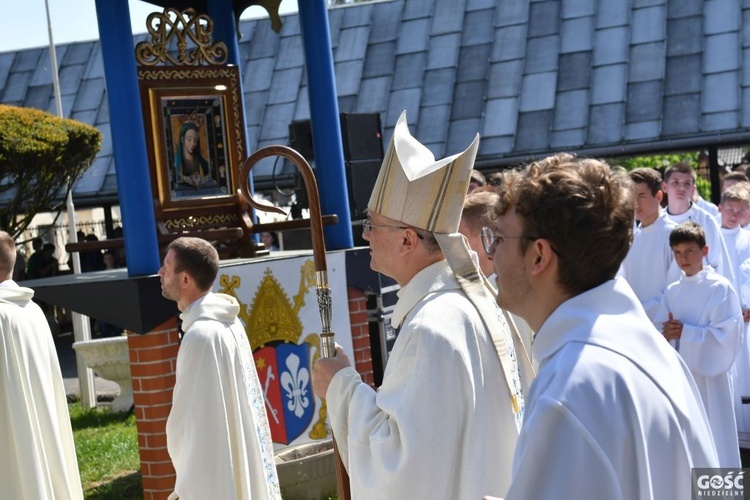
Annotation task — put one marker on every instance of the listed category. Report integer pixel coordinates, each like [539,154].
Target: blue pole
[128,137]
[324,116]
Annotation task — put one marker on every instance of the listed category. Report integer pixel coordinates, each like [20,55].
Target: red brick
[359,318]
[142,369]
[143,398]
[151,426]
[142,440]
[154,455]
[157,354]
[161,469]
[354,293]
[151,339]
[360,331]
[361,342]
[158,411]
[156,440]
[155,383]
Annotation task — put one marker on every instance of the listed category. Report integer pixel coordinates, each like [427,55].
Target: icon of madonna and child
[199,167]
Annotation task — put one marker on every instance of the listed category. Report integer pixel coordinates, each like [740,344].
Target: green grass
[107,450]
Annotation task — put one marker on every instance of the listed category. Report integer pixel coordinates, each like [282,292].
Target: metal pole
[81,324]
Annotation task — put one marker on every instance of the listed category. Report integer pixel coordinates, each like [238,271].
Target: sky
[25,23]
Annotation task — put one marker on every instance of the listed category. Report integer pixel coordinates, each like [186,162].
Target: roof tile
[720,121]
[505,79]
[478,27]
[473,62]
[468,99]
[409,70]
[608,84]
[512,13]
[443,52]
[568,139]
[462,132]
[6,62]
[745,118]
[432,120]
[479,4]
[448,17]
[684,74]
[491,146]
[70,78]
[258,74]
[348,77]
[679,114]
[38,97]
[534,130]
[611,46]
[544,18]
[722,16]
[577,34]
[647,62]
[95,64]
[302,109]
[89,96]
[285,86]
[276,121]
[684,36]
[413,36]
[510,43]
[685,8]
[76,53]
[609,14]
[265,42]
[361,16]
[417,9]
[642,130]
[26,60]
[648,24]
[500,117]
[606,123]
[644,101]
[400,100]
[387,18]
[541,54]
[724,92]
[379,59]
[571,110]
[373,95]
[16,87]
[290,54]
[722,53]
[441,83]
[577,8]
[574,71]
[353,44]
[538,91]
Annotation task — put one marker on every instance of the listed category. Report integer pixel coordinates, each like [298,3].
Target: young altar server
[217,431]
[649,266]
[445,421]
[613,412]
[701,316]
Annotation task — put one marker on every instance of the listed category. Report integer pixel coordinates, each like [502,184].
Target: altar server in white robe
[679,184]
[734,208]
[649,266]
[701,316]
[613,412]
[37,453]
[217,431]
[445,420]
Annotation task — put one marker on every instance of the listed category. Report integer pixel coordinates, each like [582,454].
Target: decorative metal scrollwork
[185,31]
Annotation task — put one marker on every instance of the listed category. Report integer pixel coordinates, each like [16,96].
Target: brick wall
[360,334]
[153,358]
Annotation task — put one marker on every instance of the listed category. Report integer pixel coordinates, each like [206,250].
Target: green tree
[661,162]
[41,156]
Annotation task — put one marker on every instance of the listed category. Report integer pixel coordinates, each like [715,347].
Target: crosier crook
[328,346]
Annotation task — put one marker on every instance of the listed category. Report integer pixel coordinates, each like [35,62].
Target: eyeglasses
[367,226]
[490,240]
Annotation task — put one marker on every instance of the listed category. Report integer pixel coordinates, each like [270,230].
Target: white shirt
[441,424]
[37,454]
[709,309]
[613,412]
[650,266]
[217,431]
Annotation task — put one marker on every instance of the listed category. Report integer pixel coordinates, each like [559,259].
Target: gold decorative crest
[180,29]
[272,316]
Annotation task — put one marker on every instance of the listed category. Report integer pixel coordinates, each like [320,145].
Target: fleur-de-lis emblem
[295,385]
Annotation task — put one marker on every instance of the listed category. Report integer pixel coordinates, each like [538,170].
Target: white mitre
[417,190]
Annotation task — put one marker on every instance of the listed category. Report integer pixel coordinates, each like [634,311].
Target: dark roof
[600,78]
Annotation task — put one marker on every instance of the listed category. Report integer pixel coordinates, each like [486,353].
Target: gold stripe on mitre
[417,190]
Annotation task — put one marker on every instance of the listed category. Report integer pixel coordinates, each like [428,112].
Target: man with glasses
[613,412]
[445,420]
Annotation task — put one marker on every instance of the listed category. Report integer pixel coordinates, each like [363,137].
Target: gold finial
[176,30]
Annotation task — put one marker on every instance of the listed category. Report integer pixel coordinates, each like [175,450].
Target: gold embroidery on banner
[272,317]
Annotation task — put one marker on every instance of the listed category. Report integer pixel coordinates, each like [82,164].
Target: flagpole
[81,324]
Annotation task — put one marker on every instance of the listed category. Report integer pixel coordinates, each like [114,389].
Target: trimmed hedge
[41,156]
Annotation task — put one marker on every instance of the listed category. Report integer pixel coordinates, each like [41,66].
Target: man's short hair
[736,176]
[198,258]
[648,176]
[737,192]
[582,207]
[479,209]
[682,168]
[687,232]
[7,254]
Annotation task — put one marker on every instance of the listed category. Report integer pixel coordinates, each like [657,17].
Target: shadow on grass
[96,417]
[122,488]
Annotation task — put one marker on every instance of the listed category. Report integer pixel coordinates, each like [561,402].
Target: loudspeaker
[363,154]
